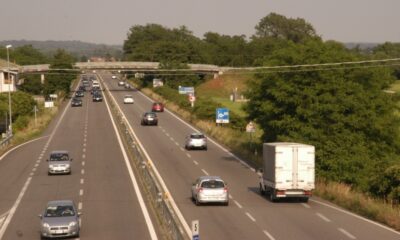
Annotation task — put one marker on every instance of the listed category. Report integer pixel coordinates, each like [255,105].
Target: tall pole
[9,88]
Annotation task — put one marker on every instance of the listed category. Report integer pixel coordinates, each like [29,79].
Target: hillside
[76,48]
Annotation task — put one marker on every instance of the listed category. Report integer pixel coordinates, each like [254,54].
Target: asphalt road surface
[249,215]
[100,183]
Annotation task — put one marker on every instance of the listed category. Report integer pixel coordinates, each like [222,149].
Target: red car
[157,107]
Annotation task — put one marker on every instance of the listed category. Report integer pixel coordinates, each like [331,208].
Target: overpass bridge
[133,66]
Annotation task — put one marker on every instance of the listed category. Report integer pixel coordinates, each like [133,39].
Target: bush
[21,122]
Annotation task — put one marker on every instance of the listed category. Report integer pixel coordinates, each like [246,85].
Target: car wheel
[226,203]
[197,202]
[205,148]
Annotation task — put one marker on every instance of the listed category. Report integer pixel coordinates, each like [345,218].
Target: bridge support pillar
[42,78]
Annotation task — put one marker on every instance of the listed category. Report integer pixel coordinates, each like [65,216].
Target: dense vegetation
[343,111]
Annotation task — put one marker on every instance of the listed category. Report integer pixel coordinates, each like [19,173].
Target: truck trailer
[288,171]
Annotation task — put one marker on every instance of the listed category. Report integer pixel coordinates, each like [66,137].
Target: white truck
[288,171]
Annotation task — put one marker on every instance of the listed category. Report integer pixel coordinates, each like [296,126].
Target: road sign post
[192,99]
[251,129]
[195,230]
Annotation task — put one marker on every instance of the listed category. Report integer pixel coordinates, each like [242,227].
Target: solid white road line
[346,233]
[205,172]
[323,217]
[237,204]
[145,212]
[14,208]
[268,235]
[163,185]
[356,216]
[18,146]
[251,217]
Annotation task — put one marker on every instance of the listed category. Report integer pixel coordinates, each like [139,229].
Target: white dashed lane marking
[80,206]
[251,217]
[346,233]
[230,196]
[268,235]
[323,217]
[195,162]
[83,163]
[84,150]
[237,204]
[177,144]
[182,149]
[83,156]
[83,171]
[205,172]
[188,155]
[82,181]
[80,192]
[306,205]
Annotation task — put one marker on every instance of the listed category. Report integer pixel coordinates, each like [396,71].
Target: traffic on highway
[76,180]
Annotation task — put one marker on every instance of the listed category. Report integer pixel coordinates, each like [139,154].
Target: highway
[100,184]
[249,215]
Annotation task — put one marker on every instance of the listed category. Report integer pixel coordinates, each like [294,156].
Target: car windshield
[60,211]
[197,136]
[212,184]
[128,96]
[59,157]
[150,115]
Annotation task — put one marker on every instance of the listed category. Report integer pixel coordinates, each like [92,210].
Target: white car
[210,189]
[114,77]
[121,83]
[196,141]
[128,99]
[59,163]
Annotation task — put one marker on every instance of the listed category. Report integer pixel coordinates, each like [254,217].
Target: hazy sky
[102,21]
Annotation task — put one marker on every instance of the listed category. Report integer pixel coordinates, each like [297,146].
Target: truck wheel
[272,197]
[262,191]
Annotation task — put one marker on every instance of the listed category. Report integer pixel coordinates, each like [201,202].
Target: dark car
[79,93]
[157,107]
[149,118]
[97,97]
[76,102]
[82,88]
[95,90]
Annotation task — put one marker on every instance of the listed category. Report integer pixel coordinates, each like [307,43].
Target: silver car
[196,140]
[59,163]
[60,219]
[210,189]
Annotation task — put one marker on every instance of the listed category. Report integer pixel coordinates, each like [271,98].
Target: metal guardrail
[5,141]
[158,196]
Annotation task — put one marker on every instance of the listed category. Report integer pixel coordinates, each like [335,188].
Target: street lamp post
[9,89]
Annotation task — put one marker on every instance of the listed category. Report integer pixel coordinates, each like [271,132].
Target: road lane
[99,183]
[286,220]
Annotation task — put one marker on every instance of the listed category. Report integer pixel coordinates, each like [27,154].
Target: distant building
[97,59]
[8,78]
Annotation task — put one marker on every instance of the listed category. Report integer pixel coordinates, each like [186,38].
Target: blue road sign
[222,115]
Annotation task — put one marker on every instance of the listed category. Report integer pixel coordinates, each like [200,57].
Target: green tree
[343,112]
[281,27]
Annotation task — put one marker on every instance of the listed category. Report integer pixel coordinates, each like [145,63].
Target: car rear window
[150,115]
[212,184]
[197,136]
[59,157]
[60,211]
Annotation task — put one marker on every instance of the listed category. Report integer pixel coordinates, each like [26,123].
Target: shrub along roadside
[338,193]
